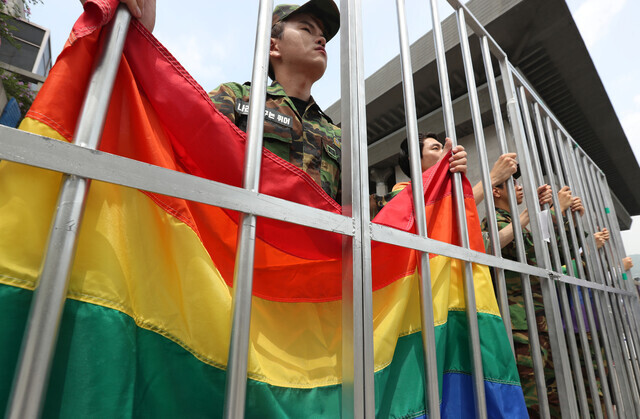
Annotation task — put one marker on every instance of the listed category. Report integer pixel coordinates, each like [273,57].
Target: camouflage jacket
[308,140]
[513,281]
[503,219]
[377,202]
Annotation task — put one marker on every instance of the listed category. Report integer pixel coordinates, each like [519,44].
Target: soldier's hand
[605,234]
[576,205]
[458,159]
[564,198]
[144,11]
[599,238]
[505,166]
[545,194]
[627,263]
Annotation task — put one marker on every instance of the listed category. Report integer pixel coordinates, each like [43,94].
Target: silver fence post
[619,306]
[236,380]
[623,303]
[613,306]
[534,341]
[469,291]
[617,240]
[43,324]
[587,244]
[630,303]
[560,163]
[484,166]
[536,163]
[432,393]
[575,358]
[568,403]
[565,163]
[610,337]
[357,306]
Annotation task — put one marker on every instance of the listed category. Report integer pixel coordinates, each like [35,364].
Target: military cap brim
[325,10]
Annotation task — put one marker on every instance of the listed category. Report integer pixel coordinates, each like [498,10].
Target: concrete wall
[15,8]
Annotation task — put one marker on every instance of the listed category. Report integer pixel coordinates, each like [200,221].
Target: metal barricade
[607,350]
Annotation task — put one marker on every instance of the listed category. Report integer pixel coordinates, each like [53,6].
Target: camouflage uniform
[377,202]
[307,139]
[519,323]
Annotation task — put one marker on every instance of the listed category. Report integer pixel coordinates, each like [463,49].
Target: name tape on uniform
[242,107]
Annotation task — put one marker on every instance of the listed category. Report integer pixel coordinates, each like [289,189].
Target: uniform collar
[277,90]
[503,212]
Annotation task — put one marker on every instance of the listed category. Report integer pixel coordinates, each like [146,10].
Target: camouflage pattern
[308,139]
[519,323]
[377,202]
[325,10]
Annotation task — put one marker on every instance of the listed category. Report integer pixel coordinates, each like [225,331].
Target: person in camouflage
[295,128]
[430,151]
[516,300]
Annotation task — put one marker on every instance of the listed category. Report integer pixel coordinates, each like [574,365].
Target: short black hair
[403,160]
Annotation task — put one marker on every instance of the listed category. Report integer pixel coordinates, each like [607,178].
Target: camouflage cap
[325,10]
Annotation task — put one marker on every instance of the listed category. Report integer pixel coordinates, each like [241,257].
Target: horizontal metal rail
[60,156]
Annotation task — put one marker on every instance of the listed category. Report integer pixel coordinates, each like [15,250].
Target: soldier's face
[301,48]
[519,192]
[431,152]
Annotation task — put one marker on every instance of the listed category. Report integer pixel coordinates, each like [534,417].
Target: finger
[460,168]
[448,144]
[458,154]
[134,7]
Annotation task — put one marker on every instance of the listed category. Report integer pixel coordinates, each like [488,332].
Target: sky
[214,41]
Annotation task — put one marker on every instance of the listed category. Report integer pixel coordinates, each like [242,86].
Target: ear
[496,193]
[274,48]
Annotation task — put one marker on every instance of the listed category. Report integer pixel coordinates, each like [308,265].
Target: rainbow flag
[147,321]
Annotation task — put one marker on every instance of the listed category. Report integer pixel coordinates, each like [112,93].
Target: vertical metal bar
[622,351]
[575,358]
[236,385]
[357,305]
[469,291]
[432,394]
[621,306]
[624,367]
[587,243]
[534,341]
[626,319]
[584,341]
[484,167]
[610,339]
[573,348]
[39,343]
[568,403]
[628,285]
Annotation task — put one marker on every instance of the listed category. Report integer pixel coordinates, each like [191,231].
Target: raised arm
[505,166]
[506,234]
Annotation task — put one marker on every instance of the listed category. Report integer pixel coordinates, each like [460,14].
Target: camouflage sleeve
[224,98]
[509,250]
[566,231]
[484,227]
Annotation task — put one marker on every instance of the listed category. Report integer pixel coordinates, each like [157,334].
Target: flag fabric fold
[147,322]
